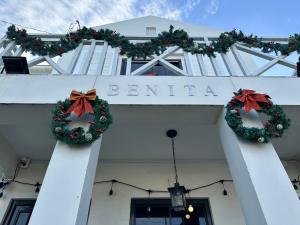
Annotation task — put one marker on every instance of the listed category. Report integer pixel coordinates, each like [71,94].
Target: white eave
[137,27]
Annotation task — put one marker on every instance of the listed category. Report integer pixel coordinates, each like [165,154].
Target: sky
[262,17]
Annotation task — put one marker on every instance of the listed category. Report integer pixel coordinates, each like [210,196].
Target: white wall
[133,89]
[34,173]
[8,158]
[114,210]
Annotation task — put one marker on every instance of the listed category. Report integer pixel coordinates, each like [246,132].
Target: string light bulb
[224,190]
[187,216]
[111,192]
[149,204]
[37,189]
[294,182]
[190,208]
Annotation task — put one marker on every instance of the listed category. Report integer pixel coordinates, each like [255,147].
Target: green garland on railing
[157,45]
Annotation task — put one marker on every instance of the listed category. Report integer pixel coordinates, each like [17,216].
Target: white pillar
[264,189]
[8,159]
[65,195]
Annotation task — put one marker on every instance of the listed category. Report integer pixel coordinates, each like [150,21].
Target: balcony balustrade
[93,57]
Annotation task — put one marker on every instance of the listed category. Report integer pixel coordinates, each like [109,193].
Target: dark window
[18,212]
[156,70]
[159,212]
[123,67]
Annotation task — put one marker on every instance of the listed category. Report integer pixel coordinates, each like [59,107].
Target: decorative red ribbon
[81,104]
[250,99]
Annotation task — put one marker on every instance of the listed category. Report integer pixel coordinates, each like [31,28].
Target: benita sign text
[160,90]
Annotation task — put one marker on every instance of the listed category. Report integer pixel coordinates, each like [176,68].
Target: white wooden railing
[93,57]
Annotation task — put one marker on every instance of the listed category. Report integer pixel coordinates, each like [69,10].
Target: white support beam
[269,65]
[2,41]
[213,60]
[228,64]
[128,66]
[263,187]
[173,68]
[65,195]
[115,61]
[88,57]
[7,51]
[243,66]
[102,59]
[202,65]
[154,61]
[19,51]
[183,64]
[54,65]
[145,67]
[36,61]
[266,56]
[187,59]
[74,59]
[215,66]
[119,65]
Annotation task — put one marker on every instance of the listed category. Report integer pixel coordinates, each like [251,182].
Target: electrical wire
[26,27]
[113,181]
[130,185]
[174,161]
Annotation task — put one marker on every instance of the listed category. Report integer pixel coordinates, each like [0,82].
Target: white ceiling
[138,132]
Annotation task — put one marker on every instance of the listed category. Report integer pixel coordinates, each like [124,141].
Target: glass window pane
[156,70]
[23,218]
[161,213]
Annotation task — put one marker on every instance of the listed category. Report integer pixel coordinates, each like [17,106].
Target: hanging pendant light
[178,192]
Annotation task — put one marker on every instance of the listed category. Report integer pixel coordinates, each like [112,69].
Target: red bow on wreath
[82,104]
[250,99]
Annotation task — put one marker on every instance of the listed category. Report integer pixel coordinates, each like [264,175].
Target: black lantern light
[177,192]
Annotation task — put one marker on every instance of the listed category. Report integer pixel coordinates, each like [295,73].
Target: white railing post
[74,59]
[7,50]
[202,65]
[243,66]
[102,59]
[128,66]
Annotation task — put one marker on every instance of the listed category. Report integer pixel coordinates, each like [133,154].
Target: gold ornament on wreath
[247,100]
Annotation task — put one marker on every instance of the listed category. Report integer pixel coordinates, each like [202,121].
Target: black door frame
[163,201]
[14,202]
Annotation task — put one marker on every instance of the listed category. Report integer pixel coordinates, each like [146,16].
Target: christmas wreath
[80,105]
[247,100]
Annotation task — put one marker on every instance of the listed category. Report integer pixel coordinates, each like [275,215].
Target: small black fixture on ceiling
[15,65]
[178,192]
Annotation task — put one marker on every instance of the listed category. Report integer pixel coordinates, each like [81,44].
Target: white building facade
[188,93]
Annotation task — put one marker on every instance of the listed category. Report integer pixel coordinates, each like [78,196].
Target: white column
[67,187]
[264,189]
[8,159]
